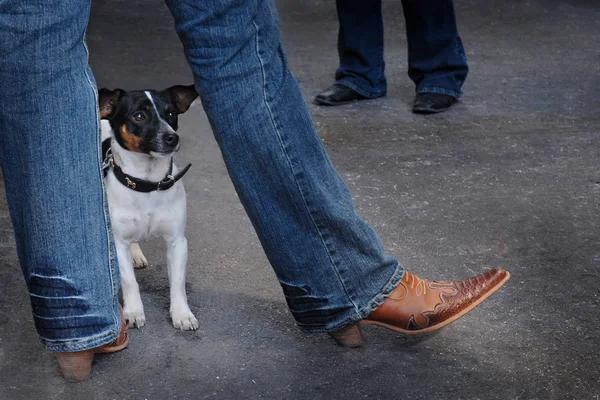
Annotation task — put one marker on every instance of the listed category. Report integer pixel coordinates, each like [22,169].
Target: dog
[145,195]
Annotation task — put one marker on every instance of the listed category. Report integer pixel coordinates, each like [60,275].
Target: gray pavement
[508,177]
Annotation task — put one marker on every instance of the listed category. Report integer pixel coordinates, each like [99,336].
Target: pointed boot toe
[420,306]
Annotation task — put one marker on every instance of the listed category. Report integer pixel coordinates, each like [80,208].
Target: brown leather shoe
[77,366]
[418,306]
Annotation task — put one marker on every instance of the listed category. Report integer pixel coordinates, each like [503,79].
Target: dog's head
[145,121]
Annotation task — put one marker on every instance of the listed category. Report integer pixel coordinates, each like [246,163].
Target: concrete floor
[509,177]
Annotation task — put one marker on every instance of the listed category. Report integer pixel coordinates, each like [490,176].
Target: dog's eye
[171,114]
[139,117]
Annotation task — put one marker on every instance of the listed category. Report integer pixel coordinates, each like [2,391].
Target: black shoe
[337,95]
[430,103]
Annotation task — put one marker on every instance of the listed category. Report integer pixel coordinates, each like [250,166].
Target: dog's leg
[139,261]
[181,314]
[132,302]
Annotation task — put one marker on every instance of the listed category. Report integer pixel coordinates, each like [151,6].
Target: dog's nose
[171,139]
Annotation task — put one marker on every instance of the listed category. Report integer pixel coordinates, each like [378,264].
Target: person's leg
[331,265]
[360,50]
[436,58]
[360,47]
[50,157]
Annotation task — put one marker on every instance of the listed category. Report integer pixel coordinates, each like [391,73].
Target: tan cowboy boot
[77,366]
[418,306]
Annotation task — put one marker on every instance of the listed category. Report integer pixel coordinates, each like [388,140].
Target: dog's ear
[108,100]
[182,96]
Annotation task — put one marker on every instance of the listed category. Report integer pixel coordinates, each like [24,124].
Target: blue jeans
[50,157]
[436,58]
[330,263]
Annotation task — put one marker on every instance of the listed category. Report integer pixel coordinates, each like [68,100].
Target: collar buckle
[166,183]
[108,162]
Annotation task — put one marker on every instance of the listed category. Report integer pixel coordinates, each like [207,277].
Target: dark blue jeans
[436,58]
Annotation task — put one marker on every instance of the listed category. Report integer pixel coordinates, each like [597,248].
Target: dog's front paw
[135,317]
[139,260]
[184,320]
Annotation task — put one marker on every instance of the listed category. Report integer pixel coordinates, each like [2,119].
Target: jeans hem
[81,344]
[362,92]
[388,288]
[448,92]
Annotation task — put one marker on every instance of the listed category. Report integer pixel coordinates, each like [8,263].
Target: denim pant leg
[436,58]
[50,157]
[330,263]
[360,47]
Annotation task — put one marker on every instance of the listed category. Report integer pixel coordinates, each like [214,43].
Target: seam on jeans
[105,212]
[459,48]
[277,131]
[382,48]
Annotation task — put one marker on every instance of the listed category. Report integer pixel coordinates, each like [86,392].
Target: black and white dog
[145,195]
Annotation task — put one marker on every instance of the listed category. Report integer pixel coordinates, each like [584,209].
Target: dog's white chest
[137,216]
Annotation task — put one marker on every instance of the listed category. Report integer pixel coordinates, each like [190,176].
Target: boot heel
[349,336]
[77,366]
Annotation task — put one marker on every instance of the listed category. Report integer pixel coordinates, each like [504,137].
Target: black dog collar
[140,185]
